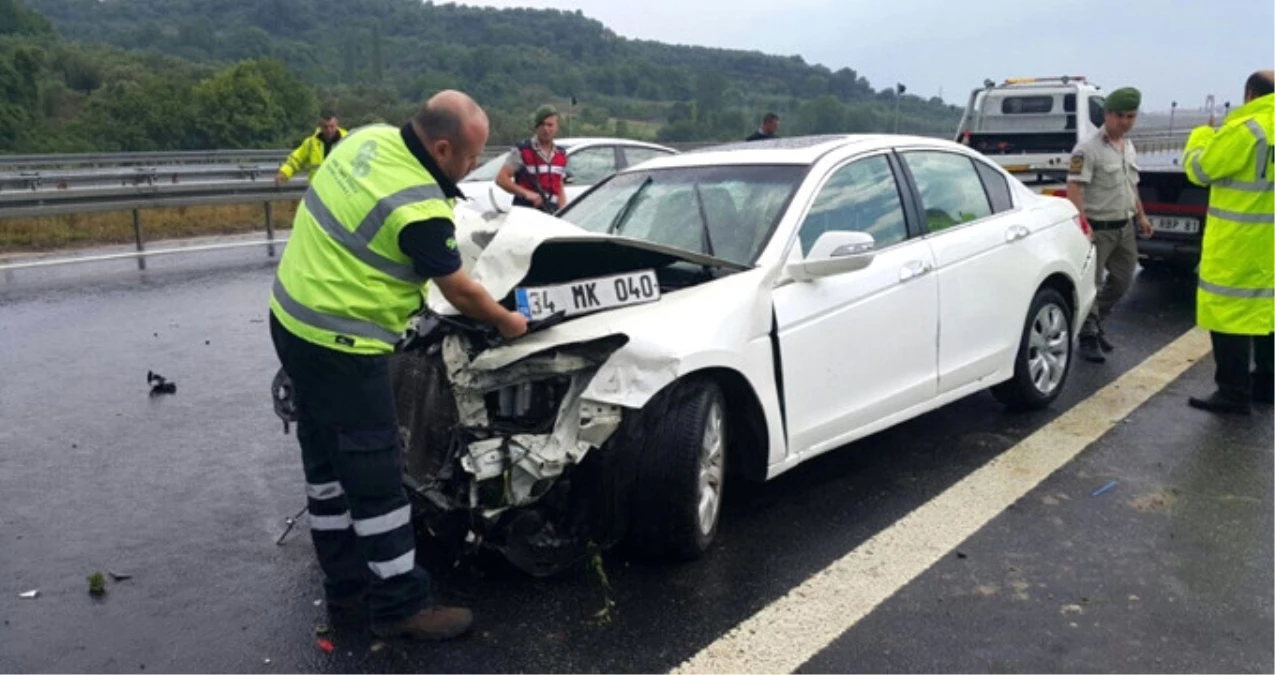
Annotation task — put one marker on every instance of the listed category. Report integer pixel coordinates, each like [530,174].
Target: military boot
[1263,389]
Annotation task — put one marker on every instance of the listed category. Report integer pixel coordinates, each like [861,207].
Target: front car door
[985,269]
[858,348]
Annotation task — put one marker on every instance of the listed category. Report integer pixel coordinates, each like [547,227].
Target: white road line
[793,629]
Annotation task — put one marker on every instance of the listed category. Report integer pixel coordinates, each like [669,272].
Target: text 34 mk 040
[588,295]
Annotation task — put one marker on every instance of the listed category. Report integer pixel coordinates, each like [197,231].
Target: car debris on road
[160,384]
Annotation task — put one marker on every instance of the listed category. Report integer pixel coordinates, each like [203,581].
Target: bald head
[453,128]
[1261,83]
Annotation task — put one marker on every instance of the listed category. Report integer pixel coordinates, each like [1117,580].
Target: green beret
[542,113]
[1125,99]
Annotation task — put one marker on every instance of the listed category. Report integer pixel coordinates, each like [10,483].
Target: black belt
[1108,224]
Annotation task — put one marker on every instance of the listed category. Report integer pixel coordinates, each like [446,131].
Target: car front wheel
[1044,355]
[682,472]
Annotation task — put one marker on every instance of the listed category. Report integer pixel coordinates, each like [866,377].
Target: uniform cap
[1125,99]
[542,113]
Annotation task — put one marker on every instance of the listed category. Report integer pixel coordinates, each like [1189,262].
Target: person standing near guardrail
[535,172]
[374,227]
[1102,181]
[1235,296]
[313,150]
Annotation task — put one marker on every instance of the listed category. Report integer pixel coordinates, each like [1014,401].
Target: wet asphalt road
[1170,571]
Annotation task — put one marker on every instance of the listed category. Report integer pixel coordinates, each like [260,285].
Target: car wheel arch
[745,420]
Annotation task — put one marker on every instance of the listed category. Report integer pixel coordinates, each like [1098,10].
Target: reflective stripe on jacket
[309,155]
[1236,291]
[343,281]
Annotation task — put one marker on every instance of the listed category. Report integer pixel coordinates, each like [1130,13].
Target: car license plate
[1175,224]
[588,295]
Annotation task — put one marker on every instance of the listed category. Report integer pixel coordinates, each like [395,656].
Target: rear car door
[984,268]
[858,347]
[636,154]
[589,165]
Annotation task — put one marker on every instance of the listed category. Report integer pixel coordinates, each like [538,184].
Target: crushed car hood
[529,248]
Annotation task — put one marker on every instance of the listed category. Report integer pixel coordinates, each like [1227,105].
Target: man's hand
[280,178]
[533,197]
[512,325]
[473,301]
[1145,227]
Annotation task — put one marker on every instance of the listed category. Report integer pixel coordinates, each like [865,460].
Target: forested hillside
[186,74]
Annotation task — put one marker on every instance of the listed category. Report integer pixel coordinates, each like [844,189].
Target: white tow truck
[1030,125]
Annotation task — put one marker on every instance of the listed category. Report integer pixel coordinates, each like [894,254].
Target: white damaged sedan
[721,315]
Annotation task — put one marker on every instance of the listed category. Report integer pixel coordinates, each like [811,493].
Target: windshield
[725,211]
[487,170]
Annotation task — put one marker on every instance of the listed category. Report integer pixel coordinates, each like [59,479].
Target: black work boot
[1090,350]
[1263,389]
[431,623]
[1218,403]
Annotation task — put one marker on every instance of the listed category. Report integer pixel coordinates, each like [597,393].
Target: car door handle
[1016,232]
[913,269]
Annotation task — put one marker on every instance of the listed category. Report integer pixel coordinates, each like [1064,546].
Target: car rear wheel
[1044,355]
[678,501]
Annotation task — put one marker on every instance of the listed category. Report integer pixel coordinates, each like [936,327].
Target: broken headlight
[527,407]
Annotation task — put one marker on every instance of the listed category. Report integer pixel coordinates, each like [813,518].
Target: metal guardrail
[143,197]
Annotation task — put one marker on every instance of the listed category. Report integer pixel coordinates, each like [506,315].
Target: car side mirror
[835,253]
[569,179]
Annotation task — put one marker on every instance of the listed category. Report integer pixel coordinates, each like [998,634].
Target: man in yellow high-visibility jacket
[313,150]
[375,225]
[1235,300]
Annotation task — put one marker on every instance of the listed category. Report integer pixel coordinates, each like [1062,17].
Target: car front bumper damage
[514,458]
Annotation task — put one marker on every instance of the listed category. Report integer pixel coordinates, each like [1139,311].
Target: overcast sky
[1179,50]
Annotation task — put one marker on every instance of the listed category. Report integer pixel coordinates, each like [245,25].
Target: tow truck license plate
[588,295]
[1174,224]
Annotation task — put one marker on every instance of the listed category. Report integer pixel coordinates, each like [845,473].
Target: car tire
[1044,356]
[682,470]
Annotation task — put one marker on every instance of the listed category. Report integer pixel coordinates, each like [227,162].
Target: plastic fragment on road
[119,576]
[27,595]
[159,384]
[1104,488]
[326,645]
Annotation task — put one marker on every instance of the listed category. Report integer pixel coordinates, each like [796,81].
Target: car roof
[600,140]
[800,150]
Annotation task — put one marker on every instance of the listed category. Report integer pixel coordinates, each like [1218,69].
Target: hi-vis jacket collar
[449,187]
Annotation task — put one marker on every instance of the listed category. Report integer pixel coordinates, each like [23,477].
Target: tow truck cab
[1029,125]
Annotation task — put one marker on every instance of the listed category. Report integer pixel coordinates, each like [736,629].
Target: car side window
[951,191]
[590,165]
[638,155]
[861,196]
[997,187]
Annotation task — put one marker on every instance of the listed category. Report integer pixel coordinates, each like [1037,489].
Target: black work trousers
[360,519]
[1234,355]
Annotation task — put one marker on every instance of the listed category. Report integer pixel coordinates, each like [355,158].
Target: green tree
[236,109]
[16,19]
